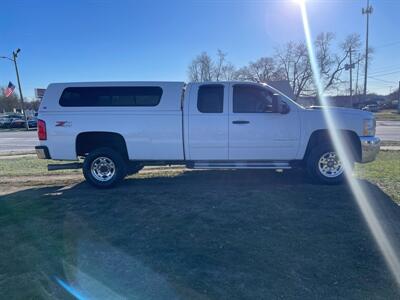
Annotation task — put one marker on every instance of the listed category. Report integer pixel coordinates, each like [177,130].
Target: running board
[55,167]
[241,165]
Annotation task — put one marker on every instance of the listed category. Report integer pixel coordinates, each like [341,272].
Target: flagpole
[15,54]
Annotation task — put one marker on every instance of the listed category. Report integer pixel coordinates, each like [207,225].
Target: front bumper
[42,152]
[370,146]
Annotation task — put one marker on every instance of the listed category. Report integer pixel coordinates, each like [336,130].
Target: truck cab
[240,122]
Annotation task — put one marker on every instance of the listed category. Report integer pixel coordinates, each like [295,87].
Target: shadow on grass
[196,235]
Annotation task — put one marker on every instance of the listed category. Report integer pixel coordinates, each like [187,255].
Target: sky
[128,40]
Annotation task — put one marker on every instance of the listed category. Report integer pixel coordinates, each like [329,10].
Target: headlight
[369,127]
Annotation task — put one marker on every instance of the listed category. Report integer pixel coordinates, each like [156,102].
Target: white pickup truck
[119,127]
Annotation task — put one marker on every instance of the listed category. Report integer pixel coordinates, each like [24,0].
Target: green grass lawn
[384,172]
[29,166]
[387,115]
[196,235]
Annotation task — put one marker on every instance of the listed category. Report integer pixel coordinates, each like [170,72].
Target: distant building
[39,93]
[283,86]
[341,101]
[358,101]
[307,101]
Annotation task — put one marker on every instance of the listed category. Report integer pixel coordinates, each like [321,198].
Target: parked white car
[119,127]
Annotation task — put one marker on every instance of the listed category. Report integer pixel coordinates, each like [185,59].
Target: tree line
[288,62]
[7,104]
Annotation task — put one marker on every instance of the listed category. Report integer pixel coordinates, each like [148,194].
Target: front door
[255,131]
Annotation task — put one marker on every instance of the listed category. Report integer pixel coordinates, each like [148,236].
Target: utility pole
[14,60]
[350,67]
[358,69]
[366,11]
[15,55]
[351,80]
[398,99]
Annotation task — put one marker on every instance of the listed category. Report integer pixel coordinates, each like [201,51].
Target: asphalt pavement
[18,141]
[25,141]
[388,130]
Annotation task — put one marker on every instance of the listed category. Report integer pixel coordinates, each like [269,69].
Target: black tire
[314,170]
[118,173]
[134,167]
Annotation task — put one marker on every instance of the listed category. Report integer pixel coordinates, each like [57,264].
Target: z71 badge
[63,124]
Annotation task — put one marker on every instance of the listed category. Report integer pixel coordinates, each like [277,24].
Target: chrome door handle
[240,122]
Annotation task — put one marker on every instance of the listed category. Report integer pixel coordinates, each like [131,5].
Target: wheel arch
[90,140]
[350,138]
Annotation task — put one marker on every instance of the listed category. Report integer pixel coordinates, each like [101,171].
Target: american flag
[9,90]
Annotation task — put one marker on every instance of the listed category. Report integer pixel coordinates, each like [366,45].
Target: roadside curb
[390,148]
[17,155]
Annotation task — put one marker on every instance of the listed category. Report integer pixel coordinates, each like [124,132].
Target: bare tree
[7,104]
[201,68]
[33,105]
[223,69]
[262,70]
[219,65]
[293,65]
[290,62]
[228,71]
[332,64]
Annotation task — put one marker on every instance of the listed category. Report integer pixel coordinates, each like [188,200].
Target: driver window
[251,99]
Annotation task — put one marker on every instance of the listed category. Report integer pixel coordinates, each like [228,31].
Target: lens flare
[363,201]
[70,289]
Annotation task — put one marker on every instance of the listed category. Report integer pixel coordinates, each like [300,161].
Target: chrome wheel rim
[103,169]
[330,165]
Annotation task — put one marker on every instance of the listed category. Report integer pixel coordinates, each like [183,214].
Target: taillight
[42,134]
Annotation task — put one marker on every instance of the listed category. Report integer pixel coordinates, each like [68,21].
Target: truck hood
[344,110]
[344,118]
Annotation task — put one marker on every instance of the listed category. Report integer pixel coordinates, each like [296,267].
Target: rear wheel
[104,168]
[325,166]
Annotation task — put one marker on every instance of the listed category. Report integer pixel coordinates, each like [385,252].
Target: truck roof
[171,98]
[115,83]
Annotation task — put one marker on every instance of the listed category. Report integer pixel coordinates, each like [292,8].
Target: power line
[388,66]
[386,70]
[382,80]
[387,45]
[385,74]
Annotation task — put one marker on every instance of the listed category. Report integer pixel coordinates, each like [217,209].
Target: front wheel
[104,168]
[324,165]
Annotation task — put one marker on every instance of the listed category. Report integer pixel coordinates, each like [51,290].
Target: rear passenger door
[208,122]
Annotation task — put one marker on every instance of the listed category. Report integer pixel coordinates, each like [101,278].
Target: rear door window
[210,98]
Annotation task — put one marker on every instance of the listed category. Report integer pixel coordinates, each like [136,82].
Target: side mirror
[285,109]
[279,106]
[276,103]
